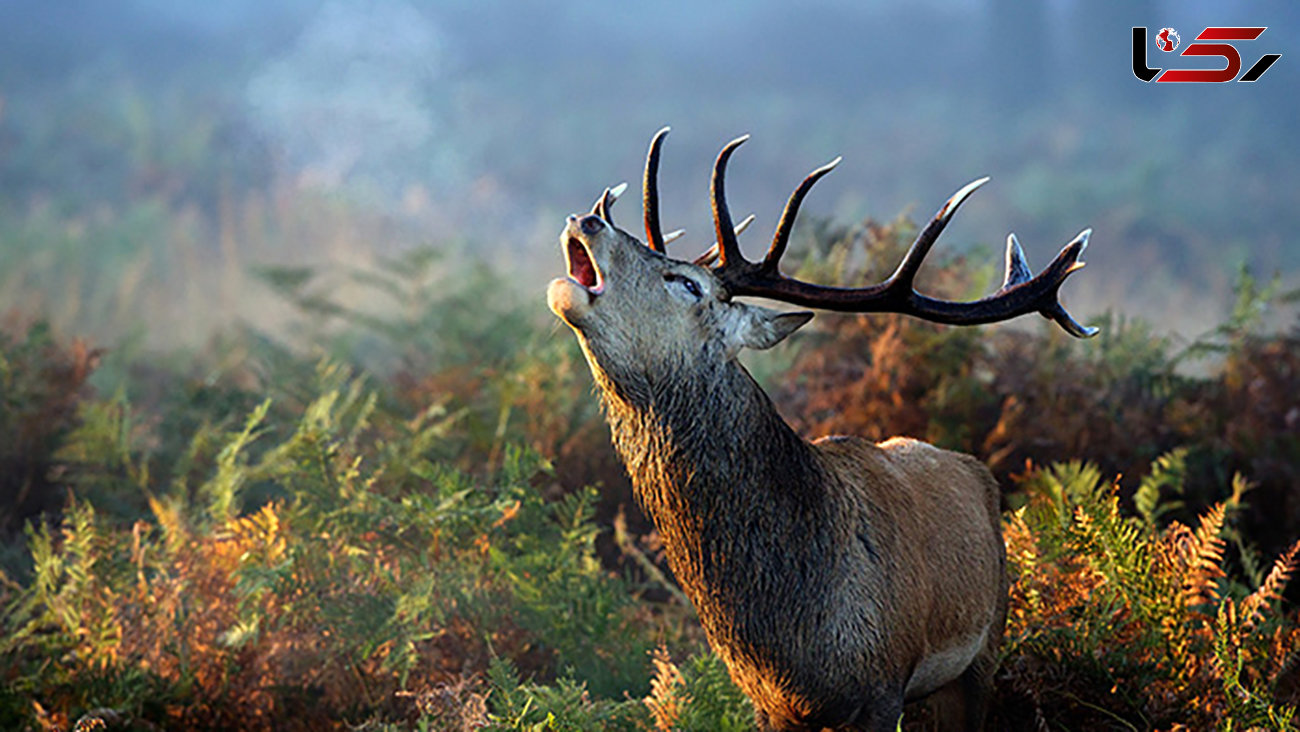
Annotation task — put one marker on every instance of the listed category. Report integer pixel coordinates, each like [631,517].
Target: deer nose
[591,224]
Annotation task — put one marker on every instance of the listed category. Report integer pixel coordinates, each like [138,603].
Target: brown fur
[836,578]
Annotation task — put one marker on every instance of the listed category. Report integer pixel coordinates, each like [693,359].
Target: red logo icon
[1167,40]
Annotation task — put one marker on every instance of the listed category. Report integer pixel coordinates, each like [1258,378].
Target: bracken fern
[1117,622]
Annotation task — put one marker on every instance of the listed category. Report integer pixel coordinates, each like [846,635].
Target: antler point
[1083,239]
[744,224]
[1017,267]
[956,200]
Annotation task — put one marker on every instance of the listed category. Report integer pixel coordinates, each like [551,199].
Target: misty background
[154,156]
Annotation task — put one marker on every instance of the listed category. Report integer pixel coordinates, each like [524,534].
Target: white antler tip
[959,196]
[976,183]
[1017,267]
[828,167]
[744,224]
[617,190]
[969,188]
[673,236]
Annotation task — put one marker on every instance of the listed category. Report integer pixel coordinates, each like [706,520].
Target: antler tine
[783,229]
[1017,269]
[654,236]
[605,204]
[916,254]
[744,224]
[1065,263]
[602,206]
[728,245]
[711,254]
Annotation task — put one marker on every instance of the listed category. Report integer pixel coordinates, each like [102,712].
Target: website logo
[1168,40]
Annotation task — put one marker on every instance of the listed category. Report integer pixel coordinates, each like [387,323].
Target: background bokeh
[153,155]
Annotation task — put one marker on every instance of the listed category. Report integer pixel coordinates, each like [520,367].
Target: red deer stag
[836,579]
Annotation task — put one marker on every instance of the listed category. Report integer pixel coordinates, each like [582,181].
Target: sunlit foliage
[277,536]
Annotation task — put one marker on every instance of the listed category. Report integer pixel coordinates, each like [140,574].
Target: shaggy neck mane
[718,470]
[701,428]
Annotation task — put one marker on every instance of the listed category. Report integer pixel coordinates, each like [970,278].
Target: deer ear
[761,328]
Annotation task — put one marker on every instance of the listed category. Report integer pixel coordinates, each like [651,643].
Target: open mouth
[582,268]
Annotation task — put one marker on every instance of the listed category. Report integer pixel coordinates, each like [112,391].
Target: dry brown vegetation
[287,544]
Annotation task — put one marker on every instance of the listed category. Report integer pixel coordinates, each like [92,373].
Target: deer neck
[739,499]
[708,453]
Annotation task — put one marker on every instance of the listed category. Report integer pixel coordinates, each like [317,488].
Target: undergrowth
[366,568]
[294,537]
[1119,622]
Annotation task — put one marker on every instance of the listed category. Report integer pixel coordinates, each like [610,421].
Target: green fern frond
[714,702]
[222,490]
[1167,474]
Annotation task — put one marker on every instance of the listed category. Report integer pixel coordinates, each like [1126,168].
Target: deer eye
[686,283]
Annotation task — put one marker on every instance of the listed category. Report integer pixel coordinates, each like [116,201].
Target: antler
[605,204]
[654,236]
[1021,292]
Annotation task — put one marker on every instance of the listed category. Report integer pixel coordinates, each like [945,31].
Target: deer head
[635,308]
[639,310]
